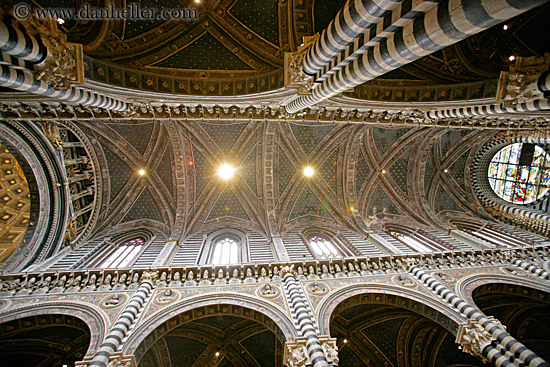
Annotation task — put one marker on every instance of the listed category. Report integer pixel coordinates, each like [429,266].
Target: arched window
[124,254]
[226,251]
[519,173]
[323,248]
[419,239]
[223,247]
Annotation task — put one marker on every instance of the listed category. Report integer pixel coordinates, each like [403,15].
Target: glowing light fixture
[505,27]
[60,20]
[142,172]
[512,58]
[217,354]
[309,171]
[226,171]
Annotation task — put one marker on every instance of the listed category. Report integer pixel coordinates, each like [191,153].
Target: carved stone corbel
[295,78]
[473,338]
[63,67]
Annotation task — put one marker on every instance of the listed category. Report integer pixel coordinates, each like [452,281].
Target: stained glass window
[520,173]
[226,251]
[124,254]
[322,247]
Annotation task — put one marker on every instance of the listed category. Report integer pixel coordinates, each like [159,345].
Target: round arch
[97,321]
[467,285]
[440,313]
[271,311]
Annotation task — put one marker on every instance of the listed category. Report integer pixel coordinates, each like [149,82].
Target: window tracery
[226,251]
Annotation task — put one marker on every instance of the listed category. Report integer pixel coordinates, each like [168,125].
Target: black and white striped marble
[17,43]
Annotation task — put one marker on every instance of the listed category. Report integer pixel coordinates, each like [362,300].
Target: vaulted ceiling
[361,171]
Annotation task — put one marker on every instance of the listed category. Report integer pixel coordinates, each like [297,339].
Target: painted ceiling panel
[398,171]
[184,351]
[384,138]
[203,170]
[286,171]
[224,135]
[164,169]
[119,172]
[248,170]
[328,170]
[380,201]
[206,53]
[386,340]
[227,206]
[443,201]
[309,204]
[361,171]
[262,347]
[260,16]
[136,134]
[309,136]
[144,208]
[457,169]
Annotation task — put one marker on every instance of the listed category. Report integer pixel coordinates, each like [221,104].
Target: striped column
[501,339]
[352,21]
[23,80]
[543,83]
[392,21]
[300,314]
[443,25]
[122,325]
[532,269]
[21,45]
[491,109]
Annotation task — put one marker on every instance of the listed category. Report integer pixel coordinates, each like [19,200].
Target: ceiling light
[445,170]
[198,1]
[383,171]
[141,172]
[217,354]
[226,171]
[309,171]
[505,27]
[345,341]
[60,20]
[512,58]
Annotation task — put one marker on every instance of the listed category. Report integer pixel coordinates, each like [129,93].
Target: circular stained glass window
[520,173]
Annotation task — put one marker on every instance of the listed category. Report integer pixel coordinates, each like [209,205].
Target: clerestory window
[226,251]
[323,248]
[124,254]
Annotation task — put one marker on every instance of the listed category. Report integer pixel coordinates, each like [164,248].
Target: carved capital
[519,84]
[296,354]
[150,276]
[473,338]
[295,77]
[115,360]
[63,66]
[330,348]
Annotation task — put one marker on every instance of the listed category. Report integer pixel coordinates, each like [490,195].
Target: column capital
[115,360]
[296,354]
[64,65]
[295,77]
[473,337]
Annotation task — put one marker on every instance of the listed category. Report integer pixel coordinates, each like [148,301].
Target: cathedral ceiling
[360,173]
